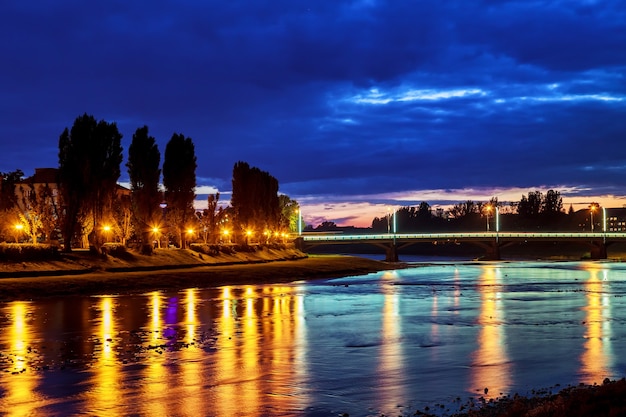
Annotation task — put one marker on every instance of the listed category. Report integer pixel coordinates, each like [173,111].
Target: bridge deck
[476,236]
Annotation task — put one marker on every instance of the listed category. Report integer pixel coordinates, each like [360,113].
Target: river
[427,337]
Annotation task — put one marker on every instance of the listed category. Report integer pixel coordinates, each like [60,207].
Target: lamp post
[591,210]
[190,232]
[497,222]
[604,222]
[106,229]
[299,222]
[155,232]
[163,206]
[18,231]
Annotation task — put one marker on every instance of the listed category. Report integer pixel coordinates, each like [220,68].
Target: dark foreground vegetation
[606,400]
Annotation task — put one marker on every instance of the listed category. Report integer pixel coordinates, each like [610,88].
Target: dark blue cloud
[334,98]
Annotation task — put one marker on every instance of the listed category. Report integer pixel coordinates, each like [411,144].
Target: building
[616,219]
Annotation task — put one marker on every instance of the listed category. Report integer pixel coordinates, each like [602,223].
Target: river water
[386,343]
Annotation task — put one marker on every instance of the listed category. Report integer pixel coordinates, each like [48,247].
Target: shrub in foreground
[113,249]
[21,252]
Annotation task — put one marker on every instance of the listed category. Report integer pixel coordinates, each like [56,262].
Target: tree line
[534,211]
[84,206]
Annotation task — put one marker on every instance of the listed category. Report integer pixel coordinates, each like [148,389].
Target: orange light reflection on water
[260,352]
[20,384]
[390,369]
[190,375]
[155,387]
[105,391]
[597,358]
[491,367]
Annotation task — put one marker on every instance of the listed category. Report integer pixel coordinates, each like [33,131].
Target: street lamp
[497,222]
[155,232]
[299,222]
[106,229]
[190,232]
[592,208]
[19,227]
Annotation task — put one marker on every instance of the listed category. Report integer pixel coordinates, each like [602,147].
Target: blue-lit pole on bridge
[497,222]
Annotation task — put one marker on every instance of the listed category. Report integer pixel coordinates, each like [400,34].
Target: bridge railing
[466,235]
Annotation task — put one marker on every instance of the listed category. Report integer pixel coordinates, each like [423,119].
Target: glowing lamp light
[190,231]
[19,227]
[249,233]
[155,230]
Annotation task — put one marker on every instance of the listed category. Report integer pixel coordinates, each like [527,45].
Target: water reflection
[155,377]
[20,386]
[490,362]
[597,358]
[260,354]
[105,391]
[390,368]
[435,332]
[191,373]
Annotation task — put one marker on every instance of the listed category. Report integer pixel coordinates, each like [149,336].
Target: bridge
[491,242]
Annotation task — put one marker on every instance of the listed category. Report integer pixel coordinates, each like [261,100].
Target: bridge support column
[598,250]
[299,243]
[392,253]
[493,252]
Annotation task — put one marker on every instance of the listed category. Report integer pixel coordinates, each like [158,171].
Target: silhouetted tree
[143,169]
[326,226]
[539,211]
[209,219]
[8,182]
[179,180]
[254,201]
[552,211]
[90,155]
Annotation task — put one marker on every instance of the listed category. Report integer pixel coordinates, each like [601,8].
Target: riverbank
[79,273]
[606,400]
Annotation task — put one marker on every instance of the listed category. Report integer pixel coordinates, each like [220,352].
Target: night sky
[354,106]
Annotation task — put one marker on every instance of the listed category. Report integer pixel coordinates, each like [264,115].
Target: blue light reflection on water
[390,342]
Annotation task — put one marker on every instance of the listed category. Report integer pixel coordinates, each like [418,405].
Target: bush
[245,248]
[113,249]
[211,250]
[20,252]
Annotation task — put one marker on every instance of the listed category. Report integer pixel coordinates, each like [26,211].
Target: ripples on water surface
[391,343]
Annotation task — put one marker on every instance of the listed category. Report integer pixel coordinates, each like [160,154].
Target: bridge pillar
[299,243]
[392,253]
[598,250]
[493,252]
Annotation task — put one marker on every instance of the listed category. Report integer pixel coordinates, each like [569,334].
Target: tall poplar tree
[179,180]
[255,200]
[90,155]
[144,173]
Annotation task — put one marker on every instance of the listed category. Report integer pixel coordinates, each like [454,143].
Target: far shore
[173,270]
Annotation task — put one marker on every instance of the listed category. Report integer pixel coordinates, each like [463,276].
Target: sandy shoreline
[143,278]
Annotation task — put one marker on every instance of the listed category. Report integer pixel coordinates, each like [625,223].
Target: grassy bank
[83,274]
